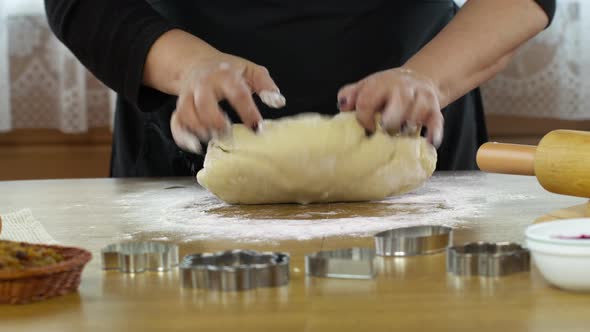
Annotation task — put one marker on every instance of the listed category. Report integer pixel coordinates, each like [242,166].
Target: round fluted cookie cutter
[487,259]
[235,270]
[413,241]
[136,257]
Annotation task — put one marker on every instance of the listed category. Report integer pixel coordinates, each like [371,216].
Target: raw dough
[314,158]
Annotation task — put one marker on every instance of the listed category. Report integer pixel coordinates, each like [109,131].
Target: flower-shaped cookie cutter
[235,270]
[136,257]
[351,263]
[487,259]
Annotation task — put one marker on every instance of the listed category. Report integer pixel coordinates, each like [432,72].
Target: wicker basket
[40,283]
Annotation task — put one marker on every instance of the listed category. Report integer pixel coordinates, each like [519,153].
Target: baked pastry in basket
[33,272]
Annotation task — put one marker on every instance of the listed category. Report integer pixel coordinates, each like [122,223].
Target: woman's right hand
[184,65]
[206,83]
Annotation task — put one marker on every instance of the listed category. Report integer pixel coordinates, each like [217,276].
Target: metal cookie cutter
[235,270]
[411,241]
[134,257]
[353,263]
[487,259]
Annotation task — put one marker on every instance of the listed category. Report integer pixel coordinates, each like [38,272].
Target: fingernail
[437,139]
[187,141]
[257,127]
[195,146]
[228,124]
[260,127]
[273,99]
[342,102]
[409,129]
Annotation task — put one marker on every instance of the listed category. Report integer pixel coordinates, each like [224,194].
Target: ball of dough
[314,158]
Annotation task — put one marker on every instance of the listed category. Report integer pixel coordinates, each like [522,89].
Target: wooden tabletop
[412,294]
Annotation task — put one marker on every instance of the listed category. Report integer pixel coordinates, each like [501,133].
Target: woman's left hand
[403,97]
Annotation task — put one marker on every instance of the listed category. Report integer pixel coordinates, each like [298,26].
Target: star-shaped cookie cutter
[235,270]
[136,257]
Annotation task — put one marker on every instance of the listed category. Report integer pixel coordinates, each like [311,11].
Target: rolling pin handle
[507,158]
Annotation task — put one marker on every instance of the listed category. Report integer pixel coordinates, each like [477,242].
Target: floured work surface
[189,213]
[573,212]
[179,210]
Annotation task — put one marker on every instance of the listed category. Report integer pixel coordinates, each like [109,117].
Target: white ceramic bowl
[561,256]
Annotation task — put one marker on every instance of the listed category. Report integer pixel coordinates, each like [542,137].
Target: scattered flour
[188,213]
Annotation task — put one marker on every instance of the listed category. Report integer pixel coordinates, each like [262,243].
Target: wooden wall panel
[54,162]
[49,154]
[512,129]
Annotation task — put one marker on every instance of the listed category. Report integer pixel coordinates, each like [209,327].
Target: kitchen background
[55,117]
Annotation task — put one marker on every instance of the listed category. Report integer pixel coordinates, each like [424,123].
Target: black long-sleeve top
[311,47]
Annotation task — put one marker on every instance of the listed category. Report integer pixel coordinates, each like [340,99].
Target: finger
[347,97]
[208,112]
[399,105]
[435,128]
[184,138]
[238,94]
[417,113]
[188,119]
[259,80]
[371,99]
[430,116]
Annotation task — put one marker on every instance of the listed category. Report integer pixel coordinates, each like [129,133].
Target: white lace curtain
[550,75]
[43,86]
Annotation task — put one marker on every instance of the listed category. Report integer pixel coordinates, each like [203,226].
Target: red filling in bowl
[573,237]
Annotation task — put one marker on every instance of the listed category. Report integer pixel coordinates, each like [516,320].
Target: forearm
[110,37]
[170,56]
[476,44]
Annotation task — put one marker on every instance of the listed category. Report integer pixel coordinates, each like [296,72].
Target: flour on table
[189,213]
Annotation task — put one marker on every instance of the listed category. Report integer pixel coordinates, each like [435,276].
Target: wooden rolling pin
[561,161]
